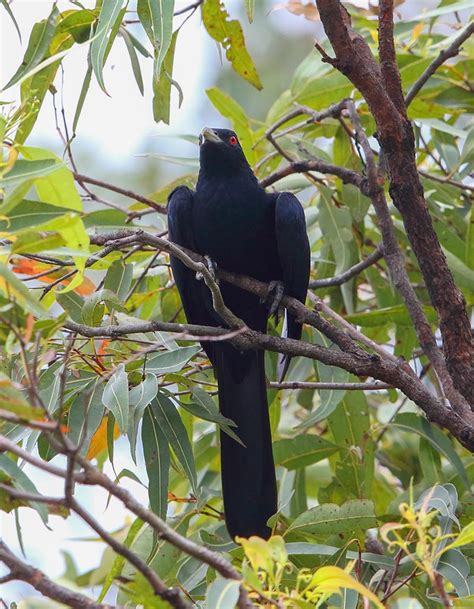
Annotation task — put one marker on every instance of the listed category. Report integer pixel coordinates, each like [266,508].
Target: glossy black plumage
[246,230]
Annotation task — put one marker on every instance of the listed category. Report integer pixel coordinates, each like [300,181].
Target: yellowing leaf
[417,31]
[99,439]
[334,579]
[229,34]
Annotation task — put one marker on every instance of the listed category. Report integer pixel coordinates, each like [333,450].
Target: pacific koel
[241,228]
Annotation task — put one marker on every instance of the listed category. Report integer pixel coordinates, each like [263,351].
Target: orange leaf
[31,267]
[99,439]
[30,320]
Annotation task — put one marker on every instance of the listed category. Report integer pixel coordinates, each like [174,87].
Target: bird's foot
[275,293]
[211,267]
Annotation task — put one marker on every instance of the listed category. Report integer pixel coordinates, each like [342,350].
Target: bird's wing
[293,251]
[194,295]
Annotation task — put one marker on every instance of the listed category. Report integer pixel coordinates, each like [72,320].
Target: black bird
[236,224]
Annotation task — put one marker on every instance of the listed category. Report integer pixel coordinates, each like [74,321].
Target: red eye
[233,140]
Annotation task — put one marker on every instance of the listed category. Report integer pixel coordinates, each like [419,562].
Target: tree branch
[388,57]
[396,264]
[329,386]
[352,272]
[80,178]
[348,176]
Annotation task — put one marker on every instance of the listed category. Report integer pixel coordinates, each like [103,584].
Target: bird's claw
[274,295]
[211,267]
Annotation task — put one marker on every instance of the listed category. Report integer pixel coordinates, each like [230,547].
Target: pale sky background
[112,132]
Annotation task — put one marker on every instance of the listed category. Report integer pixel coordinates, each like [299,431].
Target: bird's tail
[248,473]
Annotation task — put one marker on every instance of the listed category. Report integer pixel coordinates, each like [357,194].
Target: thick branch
[331,386]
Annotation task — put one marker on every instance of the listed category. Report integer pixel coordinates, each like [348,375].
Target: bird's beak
[208,135]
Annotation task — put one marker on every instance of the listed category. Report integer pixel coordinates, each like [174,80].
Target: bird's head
[220,152]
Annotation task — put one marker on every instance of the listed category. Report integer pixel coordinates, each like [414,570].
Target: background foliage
[365,483]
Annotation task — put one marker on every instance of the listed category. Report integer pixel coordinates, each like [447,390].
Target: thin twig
[81,178]
[443,56]
[352,272]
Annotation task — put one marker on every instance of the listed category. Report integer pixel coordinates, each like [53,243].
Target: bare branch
[352,272]
[80,178]
[348,176]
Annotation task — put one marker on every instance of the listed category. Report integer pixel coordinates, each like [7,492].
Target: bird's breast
[237,230]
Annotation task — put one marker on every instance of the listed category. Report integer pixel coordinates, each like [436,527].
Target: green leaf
[137,73]
[58,187]
[331,519]
[12,17]
[24,170]
[115,397]
[454,567]
[21,482]
[119,561]
[171,361]
[316,549]
[82,96]
[27,214]
[205,408]
[13,288]
[93,310]
[463,275]
[397,314]
[77,24]
[109,13]
[38,44]
[12,399]
[302,451]
[157,461]
[250,8]
[156,17]
[139,397]
[72,303]
[350,427]
[85,416]
[229,34]
[119,278]
[162,85]
[229,108]
[172,426]
[222,594]
[412,422]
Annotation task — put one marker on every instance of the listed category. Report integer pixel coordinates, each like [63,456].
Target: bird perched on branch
[241,228]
